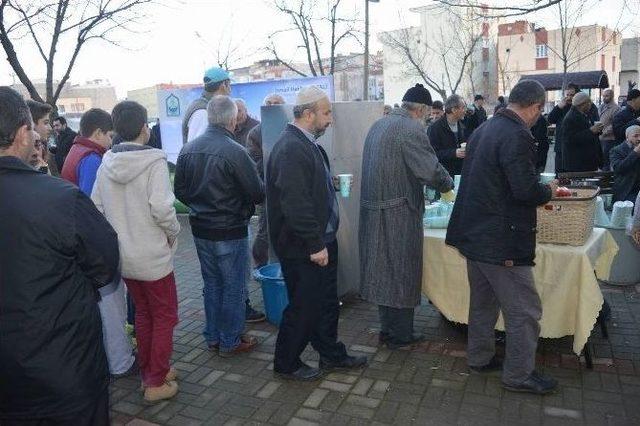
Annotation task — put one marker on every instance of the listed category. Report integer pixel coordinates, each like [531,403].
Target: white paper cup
[463,146]
[345,184]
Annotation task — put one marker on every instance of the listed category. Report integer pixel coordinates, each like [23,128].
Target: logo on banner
[172,104]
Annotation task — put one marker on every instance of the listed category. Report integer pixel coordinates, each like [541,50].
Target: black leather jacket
[217,179]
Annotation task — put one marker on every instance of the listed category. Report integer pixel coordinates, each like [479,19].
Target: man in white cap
[303,221]
[581,150]
[217,81]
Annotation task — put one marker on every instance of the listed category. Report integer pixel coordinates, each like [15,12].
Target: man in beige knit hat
[302,211]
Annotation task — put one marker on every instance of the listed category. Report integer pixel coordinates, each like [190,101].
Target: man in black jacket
[581,151]
[625,163]
[64,139]
[627,116]
[539,132]
[447,133]
[216,178]
[260,249]
[556,116]
[493,224]
[303,216]
[477,114]
[53,367]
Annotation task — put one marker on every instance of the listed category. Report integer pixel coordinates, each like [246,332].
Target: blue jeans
[224,266]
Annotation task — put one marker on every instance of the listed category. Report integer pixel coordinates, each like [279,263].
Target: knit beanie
[418,94]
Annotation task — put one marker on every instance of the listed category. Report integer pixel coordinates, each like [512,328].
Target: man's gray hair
[221,110]
[452,102]
[630,130]
[412,106]
[527,93]
[273,97]
[298,110]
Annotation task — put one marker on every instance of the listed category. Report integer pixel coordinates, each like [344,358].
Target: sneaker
[247,344]
[254,316]
[494,365]
[303,374]
[536,383]
[172,376]
[167,391]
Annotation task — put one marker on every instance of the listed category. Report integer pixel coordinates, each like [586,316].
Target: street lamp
[365,91]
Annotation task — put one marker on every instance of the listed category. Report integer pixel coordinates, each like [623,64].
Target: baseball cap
[216,75]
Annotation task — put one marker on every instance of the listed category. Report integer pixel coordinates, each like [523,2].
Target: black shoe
[132,371]
[253,316]
[383,338]
[536,383]
[405,344]
[494,365]
[302,374]
[347,363]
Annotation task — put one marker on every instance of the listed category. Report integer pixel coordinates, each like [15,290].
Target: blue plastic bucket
[274,291]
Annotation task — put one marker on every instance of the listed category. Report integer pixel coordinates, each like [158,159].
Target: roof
[584,80]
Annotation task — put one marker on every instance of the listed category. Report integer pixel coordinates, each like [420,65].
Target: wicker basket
[568,220]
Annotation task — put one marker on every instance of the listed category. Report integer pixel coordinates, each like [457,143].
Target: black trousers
[96,414]
[396,324]
[559,166]
[312,313]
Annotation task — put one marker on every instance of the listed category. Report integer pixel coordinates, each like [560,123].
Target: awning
[584,80]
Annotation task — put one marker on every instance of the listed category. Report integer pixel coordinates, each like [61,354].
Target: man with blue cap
[217,81]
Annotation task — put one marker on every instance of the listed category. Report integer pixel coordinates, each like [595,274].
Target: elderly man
[477,114]
[448,132]
[397,162]
[607,111]
[303,221]
[260,249]
[245,123]
[556,116]
[493,225]
[217,179]
[625,163]
[627,116]
[195,121]
[581,150]
[53,365]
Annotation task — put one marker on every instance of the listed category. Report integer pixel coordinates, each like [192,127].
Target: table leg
[587,356]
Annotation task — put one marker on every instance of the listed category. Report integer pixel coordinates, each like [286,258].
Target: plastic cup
[463,146]
[345,184]
[547,177]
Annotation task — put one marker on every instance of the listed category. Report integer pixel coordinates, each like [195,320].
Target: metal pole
[365,89]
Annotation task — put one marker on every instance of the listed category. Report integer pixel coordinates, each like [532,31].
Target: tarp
[584,80]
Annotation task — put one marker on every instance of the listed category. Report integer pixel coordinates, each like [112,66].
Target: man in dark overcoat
[397,162]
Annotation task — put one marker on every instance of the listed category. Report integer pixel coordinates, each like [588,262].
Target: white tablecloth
[564,276]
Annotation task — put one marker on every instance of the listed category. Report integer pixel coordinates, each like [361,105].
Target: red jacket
[81,148]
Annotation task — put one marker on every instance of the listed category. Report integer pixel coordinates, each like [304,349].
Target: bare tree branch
[517,9]
[55,20]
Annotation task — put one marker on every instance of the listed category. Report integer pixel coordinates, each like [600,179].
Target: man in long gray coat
[397,161]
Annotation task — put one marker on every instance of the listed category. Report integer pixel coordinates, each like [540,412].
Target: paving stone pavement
[427,386]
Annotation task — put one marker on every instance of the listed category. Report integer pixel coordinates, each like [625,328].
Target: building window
[541,51]
[603,61]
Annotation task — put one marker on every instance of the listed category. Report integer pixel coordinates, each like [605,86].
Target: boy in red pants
[133,191]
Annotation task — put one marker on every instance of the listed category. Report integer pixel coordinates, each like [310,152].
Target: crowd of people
[114,226]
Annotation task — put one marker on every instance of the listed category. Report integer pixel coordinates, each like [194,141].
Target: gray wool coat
[397,162]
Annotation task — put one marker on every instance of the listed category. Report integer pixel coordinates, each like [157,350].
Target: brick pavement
[429,385]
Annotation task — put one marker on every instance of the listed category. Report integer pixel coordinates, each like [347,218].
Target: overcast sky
[167,49]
